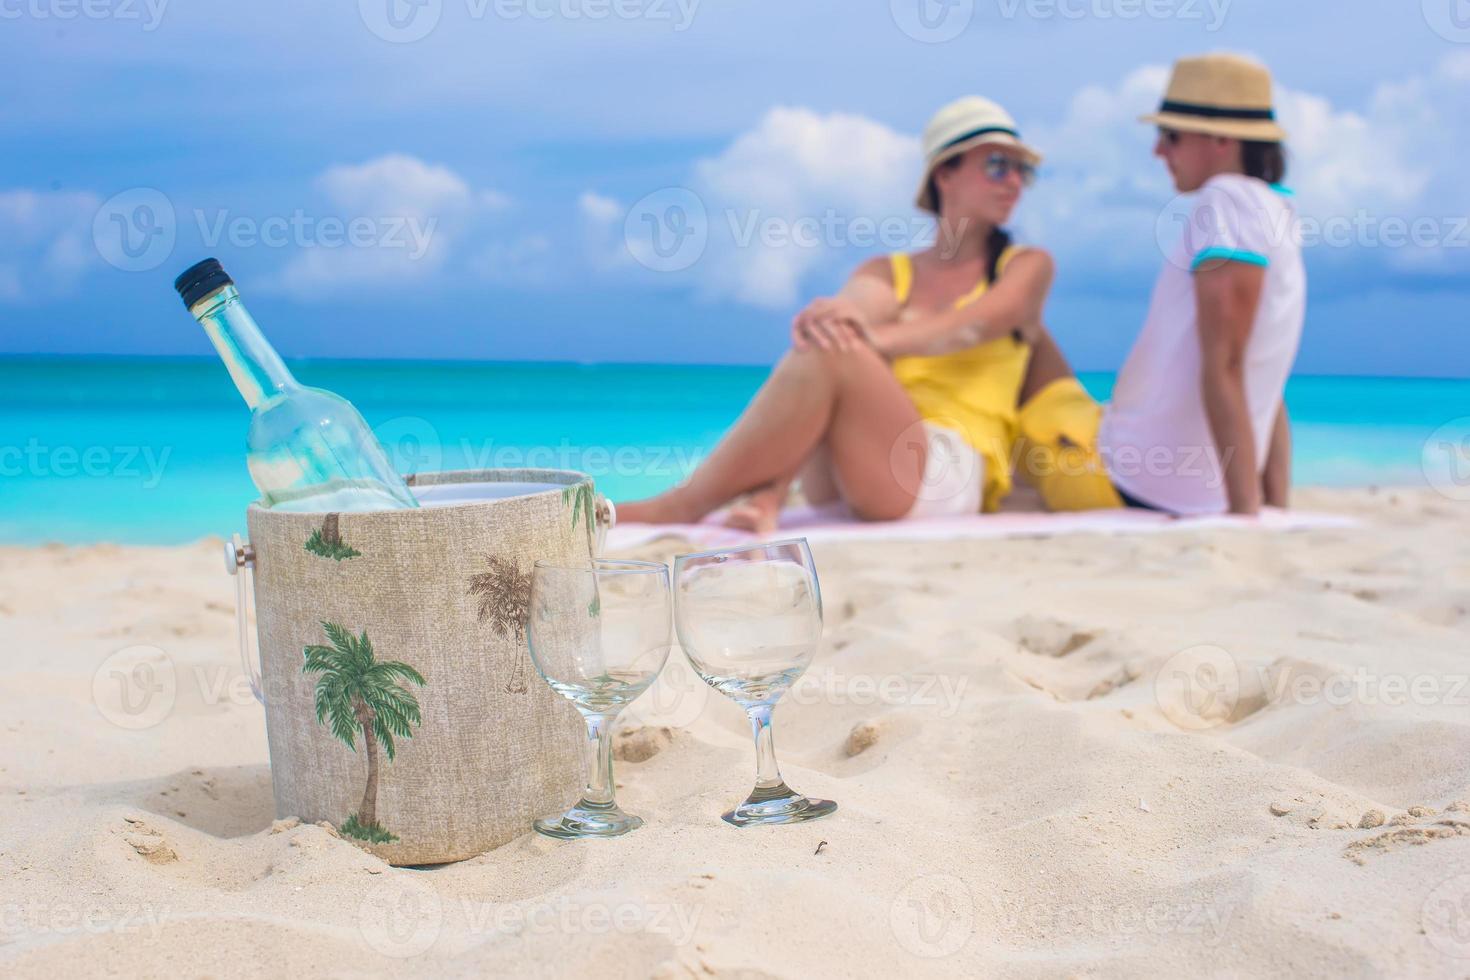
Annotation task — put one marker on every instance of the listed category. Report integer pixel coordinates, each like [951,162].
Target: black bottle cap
[201,279]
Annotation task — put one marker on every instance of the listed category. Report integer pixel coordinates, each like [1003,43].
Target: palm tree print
[326,541]
[359,693]
[505,600]
[583,500]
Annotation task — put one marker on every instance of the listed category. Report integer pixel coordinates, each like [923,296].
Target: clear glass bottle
[307,449]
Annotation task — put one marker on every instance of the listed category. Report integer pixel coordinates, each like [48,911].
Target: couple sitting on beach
[930,380]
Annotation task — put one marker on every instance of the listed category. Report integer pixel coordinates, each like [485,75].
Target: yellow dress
[972,391]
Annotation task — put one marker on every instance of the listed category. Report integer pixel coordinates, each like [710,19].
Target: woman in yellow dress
[899,394]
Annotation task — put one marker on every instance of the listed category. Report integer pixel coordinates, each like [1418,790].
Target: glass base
[587,820]
[779,804]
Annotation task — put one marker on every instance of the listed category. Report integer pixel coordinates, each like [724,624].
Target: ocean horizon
[150,450]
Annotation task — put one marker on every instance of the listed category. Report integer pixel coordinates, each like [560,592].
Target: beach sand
[1219,752]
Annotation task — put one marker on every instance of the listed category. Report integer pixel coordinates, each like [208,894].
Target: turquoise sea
[142,450]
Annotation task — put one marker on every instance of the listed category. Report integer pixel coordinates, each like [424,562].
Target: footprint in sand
[1048,637]
[150,844]
[641,744]
[1122,677]
[1406,832]
[1099,663]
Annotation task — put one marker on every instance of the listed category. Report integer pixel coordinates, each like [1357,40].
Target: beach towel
[835,523]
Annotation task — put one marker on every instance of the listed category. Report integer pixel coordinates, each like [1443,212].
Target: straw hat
[1222,95]
[965,123]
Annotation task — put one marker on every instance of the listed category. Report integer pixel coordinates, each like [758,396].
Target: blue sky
[483,190]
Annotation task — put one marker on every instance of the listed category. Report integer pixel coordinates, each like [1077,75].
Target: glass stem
[597,754]
[767,775]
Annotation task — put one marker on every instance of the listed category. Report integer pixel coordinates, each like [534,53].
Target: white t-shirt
[1155,436]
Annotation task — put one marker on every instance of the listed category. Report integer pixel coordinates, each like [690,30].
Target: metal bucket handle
[240,562]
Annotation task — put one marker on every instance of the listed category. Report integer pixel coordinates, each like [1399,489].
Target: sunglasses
[999,166]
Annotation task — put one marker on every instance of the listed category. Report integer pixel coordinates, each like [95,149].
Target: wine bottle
[308,449]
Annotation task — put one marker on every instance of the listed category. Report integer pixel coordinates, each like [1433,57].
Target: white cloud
[789,197]
[394,183]
[47,245]
[412,216]
[1366,172]
[598,209]
[1101,205]
[797,192]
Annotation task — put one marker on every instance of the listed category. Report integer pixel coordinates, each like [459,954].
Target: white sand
[993,717]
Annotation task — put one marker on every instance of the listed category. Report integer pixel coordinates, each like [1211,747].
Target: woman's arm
[844,321]
[1227,296]
[1276,480]
[1013,303]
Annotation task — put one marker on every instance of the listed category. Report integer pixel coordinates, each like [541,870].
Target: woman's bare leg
[760,511]
[849,399]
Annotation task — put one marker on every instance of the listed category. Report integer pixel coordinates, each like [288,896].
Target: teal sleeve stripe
[1229,255]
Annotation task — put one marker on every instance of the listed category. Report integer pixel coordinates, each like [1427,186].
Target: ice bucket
[401,704]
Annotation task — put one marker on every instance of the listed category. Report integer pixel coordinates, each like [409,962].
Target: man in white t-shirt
[1196,424]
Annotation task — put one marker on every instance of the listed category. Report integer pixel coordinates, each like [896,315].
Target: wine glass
[599,635]
[749,620]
